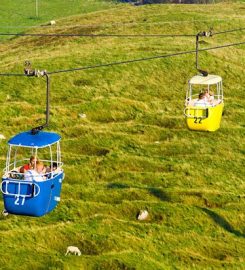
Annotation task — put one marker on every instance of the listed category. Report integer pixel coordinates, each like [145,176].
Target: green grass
[17,15]
[133,151]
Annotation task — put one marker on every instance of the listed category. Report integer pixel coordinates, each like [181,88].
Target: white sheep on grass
[5,212]
[73,250]
[143,215]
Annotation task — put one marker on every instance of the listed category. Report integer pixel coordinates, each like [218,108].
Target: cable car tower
[26,191]
[204,98]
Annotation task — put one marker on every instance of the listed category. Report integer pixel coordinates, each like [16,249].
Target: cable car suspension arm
[35,130]
[201,34]
[30,72]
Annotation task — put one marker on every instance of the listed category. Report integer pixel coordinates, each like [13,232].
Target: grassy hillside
[133,151]
[17,15]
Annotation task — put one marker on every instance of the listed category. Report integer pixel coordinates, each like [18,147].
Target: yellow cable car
[204,111]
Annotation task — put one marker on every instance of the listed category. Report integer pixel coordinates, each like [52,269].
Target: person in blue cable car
[29,165]
[37,173]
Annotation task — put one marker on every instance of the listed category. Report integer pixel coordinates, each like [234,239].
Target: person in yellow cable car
[209,96]
[202,101]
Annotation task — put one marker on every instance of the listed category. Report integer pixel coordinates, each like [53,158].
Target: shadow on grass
[164,196]
[221,222]
[117,185]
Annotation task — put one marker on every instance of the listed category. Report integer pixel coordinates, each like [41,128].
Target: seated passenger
[50,169]
[35,173]
[30,165]
[202,102]
[211,97]
[54,166]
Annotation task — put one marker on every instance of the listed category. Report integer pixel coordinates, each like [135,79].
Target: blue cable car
[39,193]
[32,197]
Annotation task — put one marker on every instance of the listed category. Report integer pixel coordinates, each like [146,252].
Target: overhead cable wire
[13,74]
[144,59]
[131,61]
[228,31]
[120,62]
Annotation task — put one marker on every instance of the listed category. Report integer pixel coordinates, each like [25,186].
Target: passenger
[202,102]
[50,169]
[30,165]
[54,166]
[36,173]
[209,96]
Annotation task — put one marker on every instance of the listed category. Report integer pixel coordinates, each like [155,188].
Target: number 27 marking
[17,200]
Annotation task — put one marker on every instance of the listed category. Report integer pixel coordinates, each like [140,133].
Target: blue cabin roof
[39,140]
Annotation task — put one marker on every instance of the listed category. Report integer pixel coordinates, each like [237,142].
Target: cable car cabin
[28,192]
[204,103]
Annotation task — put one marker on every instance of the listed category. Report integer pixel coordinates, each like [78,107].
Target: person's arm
[28,176]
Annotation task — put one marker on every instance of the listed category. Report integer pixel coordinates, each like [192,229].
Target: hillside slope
[17,16]
[133,151]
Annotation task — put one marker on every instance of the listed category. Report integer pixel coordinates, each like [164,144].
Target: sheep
[73,250]
[82,115]
[5,212]
[143,215]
